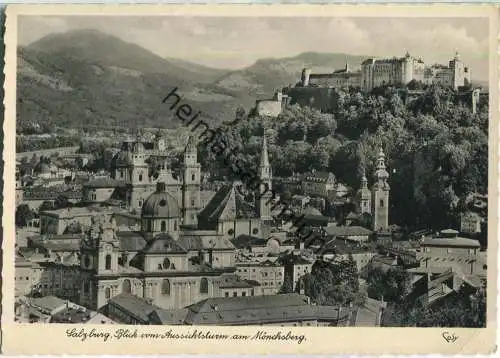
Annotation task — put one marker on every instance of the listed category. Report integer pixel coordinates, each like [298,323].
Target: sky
[237,42]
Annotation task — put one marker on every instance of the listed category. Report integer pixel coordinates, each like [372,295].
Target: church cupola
[161,212]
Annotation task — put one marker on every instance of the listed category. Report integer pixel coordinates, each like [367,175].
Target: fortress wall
[269,108]
[322,98]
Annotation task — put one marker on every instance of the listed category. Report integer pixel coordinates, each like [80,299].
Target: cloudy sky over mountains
[238,42]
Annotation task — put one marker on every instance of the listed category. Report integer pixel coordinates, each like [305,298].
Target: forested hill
[88,79]
[437,150]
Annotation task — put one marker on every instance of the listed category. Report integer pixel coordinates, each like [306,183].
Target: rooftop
[78,211]
[347,231]
[134,305]
[48,303]
[454,242]
[257,310]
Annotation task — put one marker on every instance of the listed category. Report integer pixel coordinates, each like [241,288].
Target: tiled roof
[243,241]
[135,306]
[193,243]
[256,310]
[455,242]
[164,244]
[49,303]
[226,204]
[131,240]
[168,317]
[234,281]
[347,231]
[105,183]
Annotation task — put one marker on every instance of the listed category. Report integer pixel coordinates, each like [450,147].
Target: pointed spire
[364,180]
[346,64]
[381,159]
[264,159]
[191,145]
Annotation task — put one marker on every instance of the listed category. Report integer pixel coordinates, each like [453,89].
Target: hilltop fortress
[319,90]
[391,71]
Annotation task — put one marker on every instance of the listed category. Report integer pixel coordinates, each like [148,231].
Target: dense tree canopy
[333,283]
[460,310]
[436,148]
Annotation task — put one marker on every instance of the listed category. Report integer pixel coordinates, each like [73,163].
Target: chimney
[160,187]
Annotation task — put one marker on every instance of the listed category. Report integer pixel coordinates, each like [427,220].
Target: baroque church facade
[180,255]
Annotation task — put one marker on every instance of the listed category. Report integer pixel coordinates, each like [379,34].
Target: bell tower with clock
[99,252]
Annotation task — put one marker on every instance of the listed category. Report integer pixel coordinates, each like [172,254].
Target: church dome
[161,204]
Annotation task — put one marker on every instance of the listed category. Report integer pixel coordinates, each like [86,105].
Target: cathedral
[180,255]
[376,201]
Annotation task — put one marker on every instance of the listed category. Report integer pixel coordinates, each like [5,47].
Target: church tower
[139,174]
[191,202]
[100,251]
[380,195]
[265,188]
[363,197]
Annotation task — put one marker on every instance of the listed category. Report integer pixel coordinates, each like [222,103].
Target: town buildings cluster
[147,244]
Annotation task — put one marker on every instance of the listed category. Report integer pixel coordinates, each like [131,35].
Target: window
[166,263]
[175,225]
[121,173]
[108,262]
[127,286]
[203,285]
[163,226]
[193,177]
[226,294]
[255,231]
[140,177]
[381,203]
[86,287]
[235,294]
[165,287]
[107,293]
[243,293]
[192,202]
[230,231]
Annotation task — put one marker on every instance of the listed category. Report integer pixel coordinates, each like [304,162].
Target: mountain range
[86,78]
